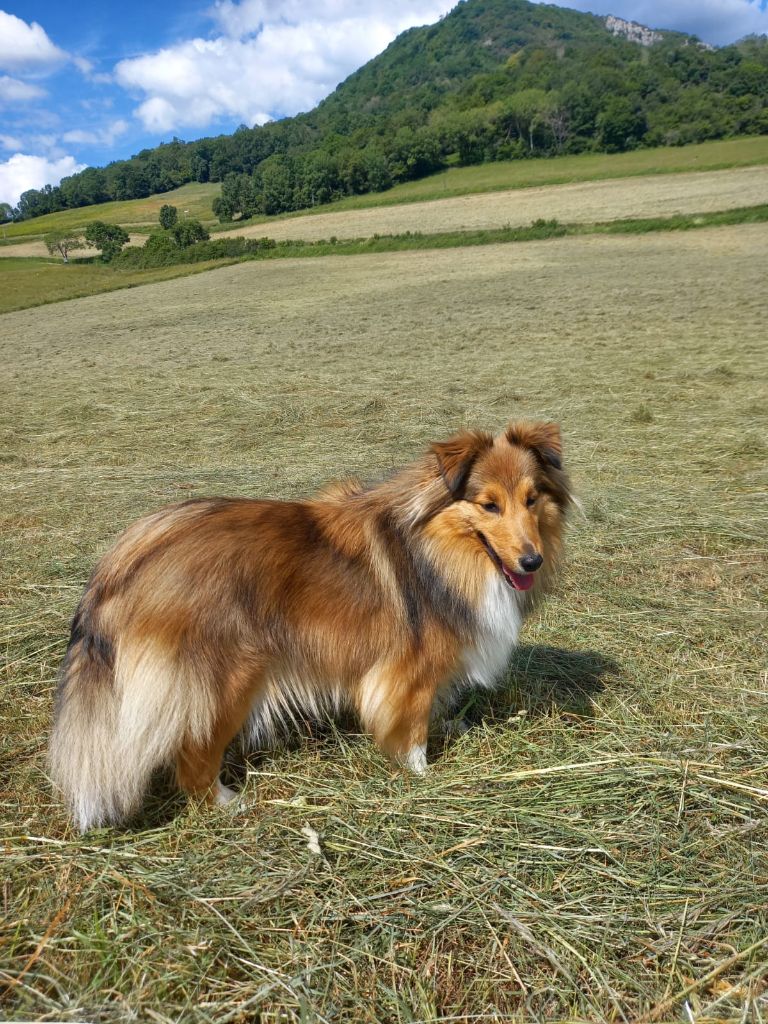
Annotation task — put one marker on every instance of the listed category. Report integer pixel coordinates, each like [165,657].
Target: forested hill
[494,79]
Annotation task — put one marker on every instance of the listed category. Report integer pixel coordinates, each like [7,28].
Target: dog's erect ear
[543,439]
[456,456]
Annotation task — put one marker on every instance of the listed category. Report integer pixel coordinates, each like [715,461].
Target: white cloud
[10,142]
[26,47]
[86,68]
[249,16]
[272,59]
[714,21]
[12,90]
[22,172]
[97,137]
[83,65]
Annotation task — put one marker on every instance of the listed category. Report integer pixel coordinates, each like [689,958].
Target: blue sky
[98,81]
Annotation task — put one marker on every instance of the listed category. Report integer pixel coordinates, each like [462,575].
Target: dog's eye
[531,500]
[490,506]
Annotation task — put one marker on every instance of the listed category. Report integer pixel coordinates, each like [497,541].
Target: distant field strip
[38,249]
[584,202]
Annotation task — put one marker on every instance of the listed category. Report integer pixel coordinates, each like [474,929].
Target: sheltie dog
[221,616]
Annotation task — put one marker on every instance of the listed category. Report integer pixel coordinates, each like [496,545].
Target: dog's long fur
[223,616]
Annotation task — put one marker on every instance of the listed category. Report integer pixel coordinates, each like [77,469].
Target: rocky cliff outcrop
[632,31]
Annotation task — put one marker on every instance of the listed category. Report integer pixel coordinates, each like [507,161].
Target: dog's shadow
[541,680]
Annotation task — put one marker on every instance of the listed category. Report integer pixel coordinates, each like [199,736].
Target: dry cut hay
[594,848]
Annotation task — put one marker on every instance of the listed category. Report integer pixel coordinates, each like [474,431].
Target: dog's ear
[456,456]
[545,442]
[543,439]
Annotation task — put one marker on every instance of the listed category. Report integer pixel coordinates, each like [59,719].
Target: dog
[224,616]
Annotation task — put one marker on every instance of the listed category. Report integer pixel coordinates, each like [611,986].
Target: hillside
[192,200]
[494,79]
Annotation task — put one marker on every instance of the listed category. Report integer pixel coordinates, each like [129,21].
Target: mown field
[585,202]
[595,847]
[658,200]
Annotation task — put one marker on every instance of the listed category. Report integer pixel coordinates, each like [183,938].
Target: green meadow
[193,200]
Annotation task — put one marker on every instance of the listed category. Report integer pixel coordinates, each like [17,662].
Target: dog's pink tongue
[519,580]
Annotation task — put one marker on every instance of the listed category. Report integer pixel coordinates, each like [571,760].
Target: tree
[188,232]
[528,110]
[275,176]
[621,125]
[62,242]
[6,212]
[169,215]
[239,198]
[110,238]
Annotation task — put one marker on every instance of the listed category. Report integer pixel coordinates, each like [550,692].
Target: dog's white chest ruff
[501,618]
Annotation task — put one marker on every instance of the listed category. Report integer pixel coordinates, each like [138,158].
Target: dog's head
[508,494]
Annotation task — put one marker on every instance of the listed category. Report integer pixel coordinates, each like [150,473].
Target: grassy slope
[582,202]
[453,182]
[602,857]
[194,198]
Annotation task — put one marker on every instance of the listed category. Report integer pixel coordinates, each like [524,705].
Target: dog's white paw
[223,794]
[416,759]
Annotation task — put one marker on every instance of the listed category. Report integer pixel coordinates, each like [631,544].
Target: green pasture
[193,200]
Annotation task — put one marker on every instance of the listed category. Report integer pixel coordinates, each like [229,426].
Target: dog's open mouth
[516,580]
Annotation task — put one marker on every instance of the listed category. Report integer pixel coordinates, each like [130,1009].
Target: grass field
[595,848]
[195,199]
[32,282]
[580,203]
[37,249]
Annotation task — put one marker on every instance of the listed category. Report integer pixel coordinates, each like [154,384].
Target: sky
[114,78]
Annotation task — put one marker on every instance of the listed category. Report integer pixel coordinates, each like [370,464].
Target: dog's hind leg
[198,764]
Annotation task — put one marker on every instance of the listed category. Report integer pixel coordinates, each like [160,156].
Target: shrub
[188,232]
[169,215]
[110,238]
[162,250]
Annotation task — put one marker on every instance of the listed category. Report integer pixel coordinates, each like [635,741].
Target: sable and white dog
[226,615]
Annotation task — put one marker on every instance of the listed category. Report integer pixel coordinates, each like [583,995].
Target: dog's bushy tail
[119,716]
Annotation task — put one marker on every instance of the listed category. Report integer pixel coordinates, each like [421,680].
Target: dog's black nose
[530,563]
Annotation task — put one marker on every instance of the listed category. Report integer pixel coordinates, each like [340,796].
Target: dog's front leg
[395,705]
